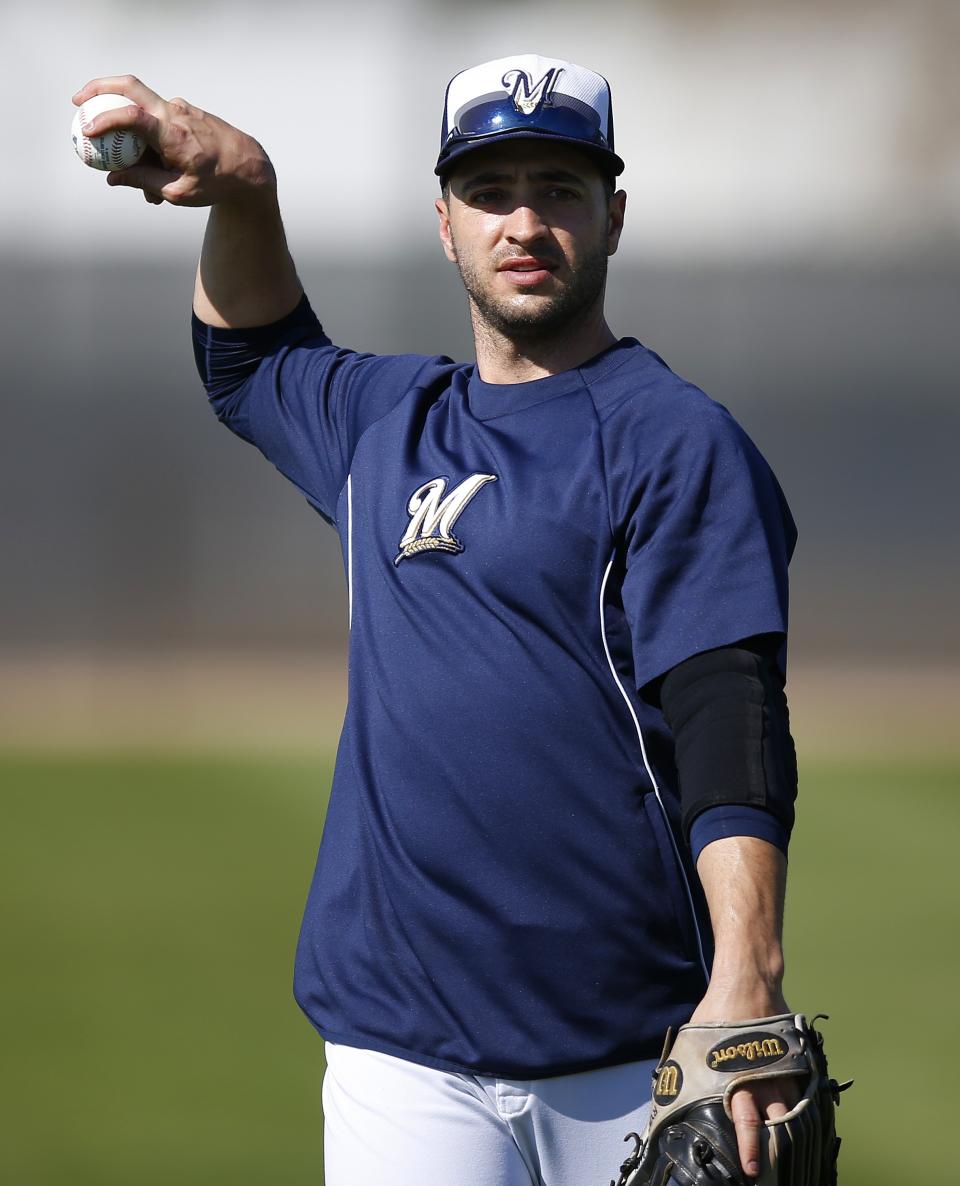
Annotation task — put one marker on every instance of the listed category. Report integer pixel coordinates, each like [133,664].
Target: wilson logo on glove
[752,1050]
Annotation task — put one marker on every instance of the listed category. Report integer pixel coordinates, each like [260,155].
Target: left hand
[752,1105]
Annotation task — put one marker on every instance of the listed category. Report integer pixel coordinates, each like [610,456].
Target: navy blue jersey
[500,887]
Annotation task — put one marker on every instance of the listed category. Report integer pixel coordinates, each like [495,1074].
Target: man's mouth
[526,271]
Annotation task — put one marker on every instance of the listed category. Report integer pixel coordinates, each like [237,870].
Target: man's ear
[443,212]
[617,206]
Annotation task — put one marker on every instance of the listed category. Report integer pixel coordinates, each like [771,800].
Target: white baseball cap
[527,97]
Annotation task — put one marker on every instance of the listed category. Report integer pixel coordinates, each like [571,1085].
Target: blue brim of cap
[606,160]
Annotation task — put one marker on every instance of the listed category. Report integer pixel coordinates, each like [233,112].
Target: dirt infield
[278,702]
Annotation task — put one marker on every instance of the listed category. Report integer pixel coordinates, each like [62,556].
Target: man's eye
[562,194]
[485,197]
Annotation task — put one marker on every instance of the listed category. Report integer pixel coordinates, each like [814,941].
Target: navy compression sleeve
[735,757]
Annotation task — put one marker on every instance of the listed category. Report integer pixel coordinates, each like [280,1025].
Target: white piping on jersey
[349,550]
[653,781]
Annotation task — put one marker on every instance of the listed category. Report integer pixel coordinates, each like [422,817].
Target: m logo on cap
[528,97]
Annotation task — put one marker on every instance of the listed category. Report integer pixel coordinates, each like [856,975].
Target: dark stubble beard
[547,320]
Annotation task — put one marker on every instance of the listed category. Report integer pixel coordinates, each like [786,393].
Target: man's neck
[502,359]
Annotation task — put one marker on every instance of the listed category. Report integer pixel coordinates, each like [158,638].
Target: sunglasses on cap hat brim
[498,118]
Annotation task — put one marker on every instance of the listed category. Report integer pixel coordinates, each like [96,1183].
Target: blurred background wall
[793,246]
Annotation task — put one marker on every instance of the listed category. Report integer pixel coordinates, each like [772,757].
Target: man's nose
[525,225]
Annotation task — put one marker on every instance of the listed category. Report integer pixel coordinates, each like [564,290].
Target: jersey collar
[489,400]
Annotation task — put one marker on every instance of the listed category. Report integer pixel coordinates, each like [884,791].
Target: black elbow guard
[731,728]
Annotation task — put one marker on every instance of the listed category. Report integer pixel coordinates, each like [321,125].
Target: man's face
[530,226]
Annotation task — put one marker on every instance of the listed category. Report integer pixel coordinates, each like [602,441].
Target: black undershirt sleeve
[728,714]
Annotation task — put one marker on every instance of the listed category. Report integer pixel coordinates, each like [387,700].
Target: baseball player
[565,784]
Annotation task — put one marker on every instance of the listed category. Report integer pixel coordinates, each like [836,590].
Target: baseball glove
[690,1138]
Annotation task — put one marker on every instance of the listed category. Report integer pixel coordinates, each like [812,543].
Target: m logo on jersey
[432,516]
[528,96]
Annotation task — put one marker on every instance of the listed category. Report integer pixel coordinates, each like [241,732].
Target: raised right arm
[246,275]
[271,373]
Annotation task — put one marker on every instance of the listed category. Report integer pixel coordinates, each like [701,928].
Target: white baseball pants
[389,1122]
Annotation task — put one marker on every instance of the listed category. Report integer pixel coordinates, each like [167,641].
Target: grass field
[151,906]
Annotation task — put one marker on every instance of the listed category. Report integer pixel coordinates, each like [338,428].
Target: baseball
[115,150]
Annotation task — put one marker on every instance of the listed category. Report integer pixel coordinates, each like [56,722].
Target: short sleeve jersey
[501,886]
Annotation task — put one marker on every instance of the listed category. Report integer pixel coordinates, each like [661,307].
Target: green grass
[150,1035]
[872,939]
